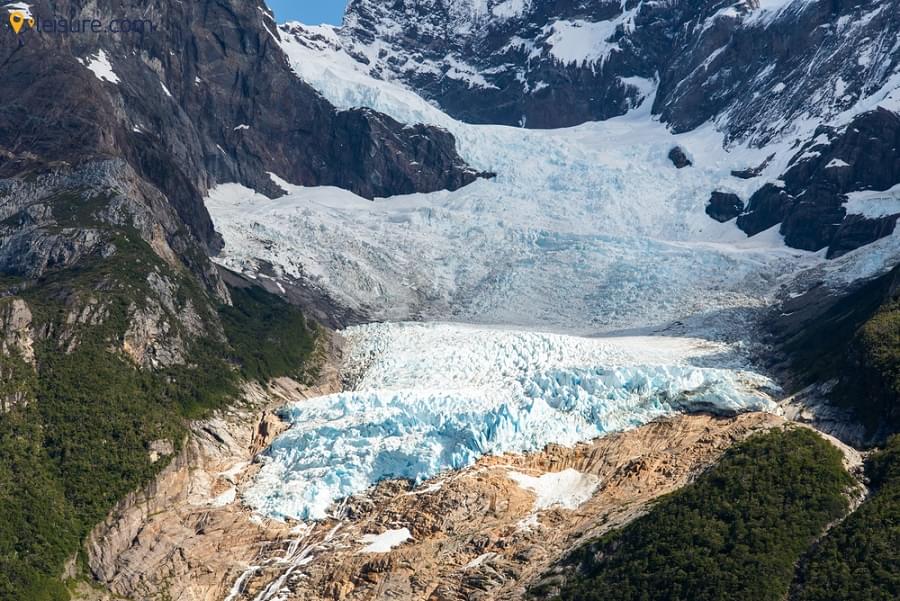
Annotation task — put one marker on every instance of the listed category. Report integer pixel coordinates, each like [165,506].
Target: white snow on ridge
[767,11]
[581,42]
[509,9]
[874,203]
[435,397]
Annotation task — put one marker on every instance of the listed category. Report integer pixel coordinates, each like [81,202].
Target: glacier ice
[434,397]
[586,229]
[589,228]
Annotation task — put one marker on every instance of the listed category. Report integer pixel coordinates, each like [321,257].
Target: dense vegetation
[857,341]
[871,382]
[78,439]
[859,560]
[270,337]
[735,534]
[38,526]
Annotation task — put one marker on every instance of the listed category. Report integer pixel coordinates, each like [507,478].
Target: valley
[458,300]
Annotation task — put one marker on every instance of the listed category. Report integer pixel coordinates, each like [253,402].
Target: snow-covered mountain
[659,183]
[585,228]
[756,68]
[795,77]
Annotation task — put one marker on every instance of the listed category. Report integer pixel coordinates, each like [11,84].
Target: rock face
[185,535]
[679,158]
[724,206]
[809,200]
[156,537]
[54,219]
[548,63]
[514,62]
[207,97]
[16,329]
[827,350]
[16,353]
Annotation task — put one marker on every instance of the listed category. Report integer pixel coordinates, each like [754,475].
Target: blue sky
[311,12]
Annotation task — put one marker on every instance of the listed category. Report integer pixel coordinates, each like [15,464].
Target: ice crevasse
[430,398]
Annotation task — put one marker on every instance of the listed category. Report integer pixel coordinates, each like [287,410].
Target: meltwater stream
[428,398]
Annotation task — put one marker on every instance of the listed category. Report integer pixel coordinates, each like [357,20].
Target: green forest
[80,442]
[859,560]
[734,534]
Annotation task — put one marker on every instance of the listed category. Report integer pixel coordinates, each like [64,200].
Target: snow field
[568,489]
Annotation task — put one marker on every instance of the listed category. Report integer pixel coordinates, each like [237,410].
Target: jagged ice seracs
[432,398]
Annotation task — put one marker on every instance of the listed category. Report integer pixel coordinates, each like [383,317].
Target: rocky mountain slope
[207,97]
[117,327]
[754,67]
[765,73]
[844,348]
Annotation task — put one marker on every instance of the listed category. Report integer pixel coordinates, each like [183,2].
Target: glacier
[586,229]
[428,398]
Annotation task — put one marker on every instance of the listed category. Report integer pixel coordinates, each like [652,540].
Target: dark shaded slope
[852,339]
[207,97]
[859,560]
[809,203]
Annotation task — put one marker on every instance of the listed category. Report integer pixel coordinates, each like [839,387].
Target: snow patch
[645,87]
[384,542]
[766,11]
[510,9]
[874,203]
[581,42]
[100,66]
[225,498]
[568,489]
